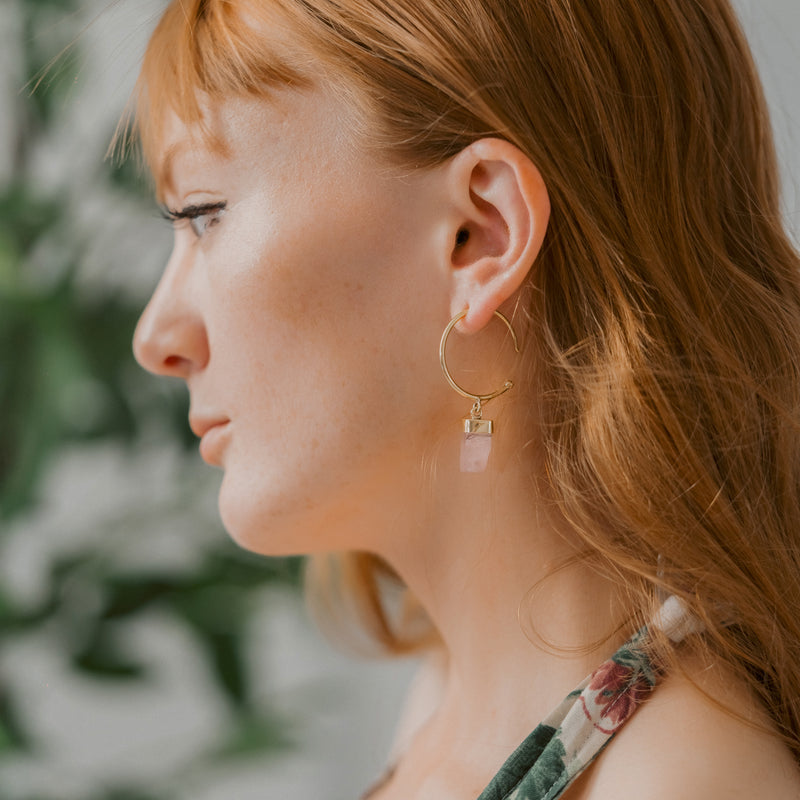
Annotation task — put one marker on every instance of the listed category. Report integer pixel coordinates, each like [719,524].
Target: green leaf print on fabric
[544,750]
[548,772]
[578,729]
[633,655]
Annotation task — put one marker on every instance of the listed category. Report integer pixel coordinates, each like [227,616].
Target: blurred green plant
[65,367]
[58,348]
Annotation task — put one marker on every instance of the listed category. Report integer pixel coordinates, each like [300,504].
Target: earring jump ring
[480,398]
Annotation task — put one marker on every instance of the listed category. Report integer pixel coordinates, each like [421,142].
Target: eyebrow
[163,173]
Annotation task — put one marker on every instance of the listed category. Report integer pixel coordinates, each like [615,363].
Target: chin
[272,525]
[256,531]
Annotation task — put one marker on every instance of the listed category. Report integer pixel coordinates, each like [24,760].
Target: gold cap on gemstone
[481,427]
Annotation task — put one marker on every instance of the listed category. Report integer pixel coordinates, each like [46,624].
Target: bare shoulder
[681,744]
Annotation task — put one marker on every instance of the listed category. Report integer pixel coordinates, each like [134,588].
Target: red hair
[666,308]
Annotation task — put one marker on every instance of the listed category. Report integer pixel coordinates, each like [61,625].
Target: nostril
[176,366]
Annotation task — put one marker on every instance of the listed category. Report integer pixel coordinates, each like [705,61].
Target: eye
[201,222]
[200,217]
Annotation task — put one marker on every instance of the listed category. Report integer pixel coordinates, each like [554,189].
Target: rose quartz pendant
[476,445]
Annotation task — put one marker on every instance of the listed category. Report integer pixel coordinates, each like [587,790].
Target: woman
[359,189]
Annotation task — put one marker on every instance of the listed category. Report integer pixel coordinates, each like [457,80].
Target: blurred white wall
[773,27]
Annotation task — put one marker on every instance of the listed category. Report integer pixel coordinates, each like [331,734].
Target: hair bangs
[203,51]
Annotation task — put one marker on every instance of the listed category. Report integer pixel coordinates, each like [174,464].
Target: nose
[171,337]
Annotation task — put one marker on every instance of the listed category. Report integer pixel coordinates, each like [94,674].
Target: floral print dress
[575,733]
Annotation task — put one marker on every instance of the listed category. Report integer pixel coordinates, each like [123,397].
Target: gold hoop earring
[477,442]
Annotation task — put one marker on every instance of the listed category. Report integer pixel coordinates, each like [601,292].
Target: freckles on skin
[323,309]
[301,202]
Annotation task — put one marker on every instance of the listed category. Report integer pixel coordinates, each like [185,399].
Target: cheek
[334,291]
[326,351]
[297,494]
[290,267]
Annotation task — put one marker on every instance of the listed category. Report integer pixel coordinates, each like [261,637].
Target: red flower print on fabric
[613,693]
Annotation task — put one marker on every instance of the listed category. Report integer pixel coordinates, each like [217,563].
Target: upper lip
[202,423]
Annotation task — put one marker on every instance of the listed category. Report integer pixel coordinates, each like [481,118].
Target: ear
[500,213]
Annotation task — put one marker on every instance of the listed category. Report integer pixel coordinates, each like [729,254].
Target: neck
[505,587]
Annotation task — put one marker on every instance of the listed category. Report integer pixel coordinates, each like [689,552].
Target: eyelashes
[200,217]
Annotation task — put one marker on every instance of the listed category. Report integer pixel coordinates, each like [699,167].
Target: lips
[201,424]
[213,432]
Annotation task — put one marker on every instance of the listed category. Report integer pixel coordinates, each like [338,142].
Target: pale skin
[305,320]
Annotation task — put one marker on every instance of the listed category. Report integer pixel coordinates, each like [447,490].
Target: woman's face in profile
[300,298]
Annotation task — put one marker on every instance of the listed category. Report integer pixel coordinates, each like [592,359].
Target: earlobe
[502,210]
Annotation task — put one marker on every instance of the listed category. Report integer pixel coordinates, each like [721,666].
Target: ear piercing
[477,443]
